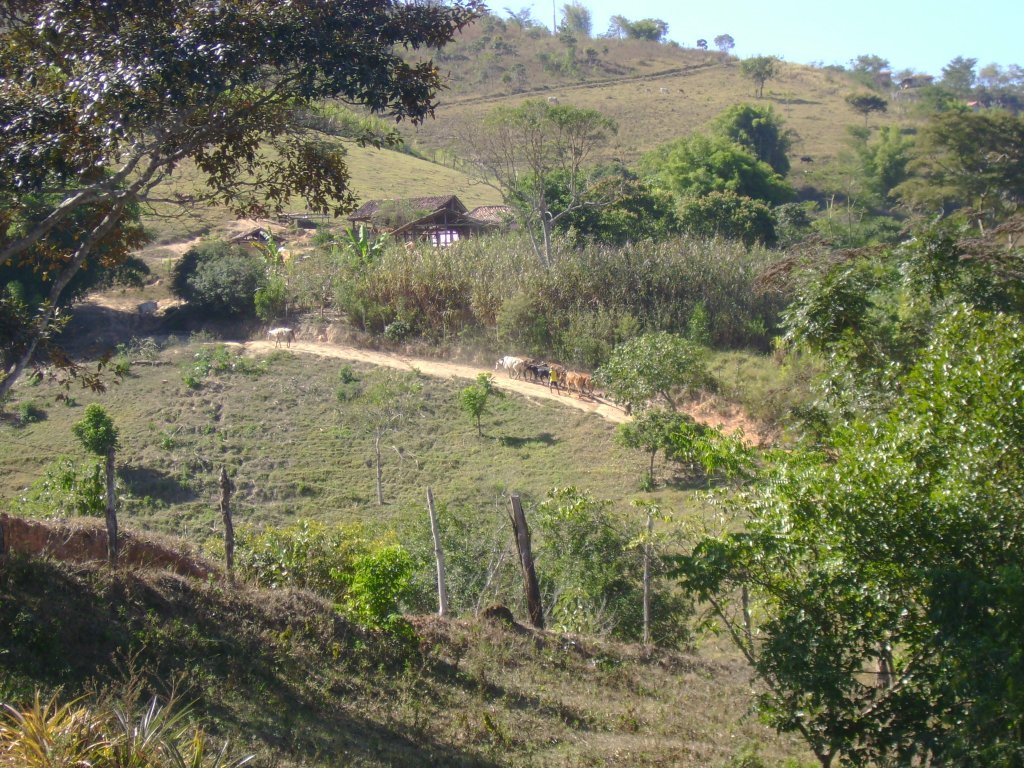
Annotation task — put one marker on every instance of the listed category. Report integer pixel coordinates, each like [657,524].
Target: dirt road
[444,370]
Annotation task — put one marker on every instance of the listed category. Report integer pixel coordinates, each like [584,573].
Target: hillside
[290,680]
[655,92]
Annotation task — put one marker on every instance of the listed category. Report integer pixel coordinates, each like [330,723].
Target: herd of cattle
[555,376]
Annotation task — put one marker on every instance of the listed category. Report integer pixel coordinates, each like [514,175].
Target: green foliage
[634,212]
[728,215]
[96,431]
[866,103]
[270,299]
[589,300]
[760,130]
[590,574]
[698,165]
[884,573]
[724,43]
[218,359]
[473,399]
[381,580]
[959,76]
[651,430]
[760,69]
[201,81]
[66,489]
[970,160]
[654,365]
[521,147]
[576,18]
[49,734]
[306,554]
[222,279]
[29,412]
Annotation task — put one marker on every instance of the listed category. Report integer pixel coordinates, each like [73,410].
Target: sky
[911,34]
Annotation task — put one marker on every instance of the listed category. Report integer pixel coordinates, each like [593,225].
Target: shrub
[381,580]
[29,412]
[219,278]
[306,554]
[66,489]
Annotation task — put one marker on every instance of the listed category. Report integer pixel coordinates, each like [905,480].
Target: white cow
[513,366]
[277,335]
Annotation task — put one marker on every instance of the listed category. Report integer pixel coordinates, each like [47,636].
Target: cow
[806,159]
[147,308]
[513,366]
[581,382]
[277,335]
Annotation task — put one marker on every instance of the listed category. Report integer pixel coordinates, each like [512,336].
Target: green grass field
[296,451]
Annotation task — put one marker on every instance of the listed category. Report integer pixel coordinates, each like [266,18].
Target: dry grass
[287,678]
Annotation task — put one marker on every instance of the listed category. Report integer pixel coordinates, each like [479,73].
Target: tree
[576,18]
[651,431]
[219,278]
[969,159]
[654,30]
[518,150]
[724,43]
[885,570]
[101,103]
[866,103]
[617,27]
[475,397]
[959,76]
[387,404]
[702,44]
[730,216]
[759,129]
[760,69]
[654,365]
[698,165]
[871,71]
[97,433]
[638,212]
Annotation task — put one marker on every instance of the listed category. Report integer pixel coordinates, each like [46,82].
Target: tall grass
[494,291]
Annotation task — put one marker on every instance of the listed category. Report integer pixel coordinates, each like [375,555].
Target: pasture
[296,450]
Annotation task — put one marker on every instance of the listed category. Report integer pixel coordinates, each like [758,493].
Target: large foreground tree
[101,102]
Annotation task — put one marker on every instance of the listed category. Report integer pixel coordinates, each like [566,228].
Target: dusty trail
[445,370]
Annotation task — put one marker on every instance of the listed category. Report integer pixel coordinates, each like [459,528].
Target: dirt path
[445,370]
[729,418]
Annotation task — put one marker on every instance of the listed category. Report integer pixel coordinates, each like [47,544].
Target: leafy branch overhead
[100,103]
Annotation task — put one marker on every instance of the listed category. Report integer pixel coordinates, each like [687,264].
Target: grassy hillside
[291,681]
[655,92]
[295,450]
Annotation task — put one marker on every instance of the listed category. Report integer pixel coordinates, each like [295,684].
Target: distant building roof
[492,214]
[370,208]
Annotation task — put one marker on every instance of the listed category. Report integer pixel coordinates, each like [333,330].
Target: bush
[307,554]
[219,278]
[381,580]
[66,489]
[30,412]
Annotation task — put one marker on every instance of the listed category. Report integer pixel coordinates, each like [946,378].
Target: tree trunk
[226,486]
[442,589]
[3,552]
[522,534]
[748,628]
[111,511]
[380,472]
[647,577]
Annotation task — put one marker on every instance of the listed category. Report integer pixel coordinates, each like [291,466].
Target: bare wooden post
[522,534]
[226,487]
[112,543]
[442,589]
[647,576]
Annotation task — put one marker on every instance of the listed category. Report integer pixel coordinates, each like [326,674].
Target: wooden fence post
[522,534]
[226,487]
[442,588]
